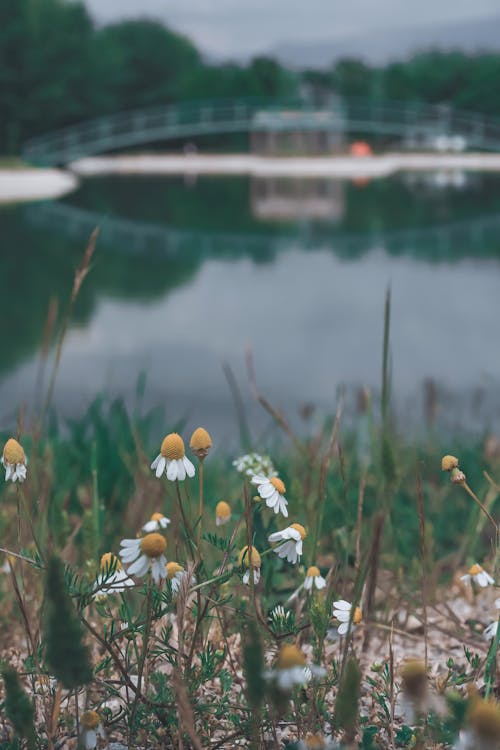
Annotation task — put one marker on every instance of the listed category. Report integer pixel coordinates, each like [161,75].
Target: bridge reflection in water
[277,199]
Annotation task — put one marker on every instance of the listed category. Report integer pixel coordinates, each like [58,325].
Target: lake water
[189,274]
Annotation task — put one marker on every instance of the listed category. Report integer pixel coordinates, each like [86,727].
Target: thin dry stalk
[276,415]
[80,274]
[373,561]
[239,406]
[392,693]
[423,561]
[185,710]
[359,519]
[48,330]
[325,464]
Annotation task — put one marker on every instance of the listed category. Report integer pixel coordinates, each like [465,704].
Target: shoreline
[30,184]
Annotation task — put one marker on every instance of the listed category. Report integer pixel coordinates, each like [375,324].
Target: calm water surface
[188,274]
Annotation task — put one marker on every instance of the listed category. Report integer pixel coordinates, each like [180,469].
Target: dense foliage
[58,68]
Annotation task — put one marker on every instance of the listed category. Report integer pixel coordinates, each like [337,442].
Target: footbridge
[418,125]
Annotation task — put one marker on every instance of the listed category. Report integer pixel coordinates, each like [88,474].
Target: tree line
[58,68]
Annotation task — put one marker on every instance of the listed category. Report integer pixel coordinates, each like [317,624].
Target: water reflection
[187,276]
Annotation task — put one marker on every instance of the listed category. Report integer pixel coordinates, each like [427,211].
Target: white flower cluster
[253,463]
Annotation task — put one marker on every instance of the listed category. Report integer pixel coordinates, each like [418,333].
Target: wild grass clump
[337,592]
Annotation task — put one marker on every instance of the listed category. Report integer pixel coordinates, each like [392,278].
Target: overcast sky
[235,28]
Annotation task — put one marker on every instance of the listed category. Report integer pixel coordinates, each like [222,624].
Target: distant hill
[383,45]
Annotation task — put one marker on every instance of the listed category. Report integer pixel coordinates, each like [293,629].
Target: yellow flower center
[312,572]
[200,440]
[448,463]
[173,568]
[249,558]
[90,720]
[475,569]
[290,656]
[222,510]
[173,447]
[278,485]
[157,516]
[300,529]
[108,560]
[13,452]
[153,545]
[358,616]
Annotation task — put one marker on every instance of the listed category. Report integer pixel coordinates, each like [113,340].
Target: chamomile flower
[176,574]
[14,460]
[291,538]
[172,459]
[91,729]
[112,578]
[145,553]
[477,574]
[157,522]
[314,579]
[222,513]
[291,668]
[250,559]
[342,611]
[253,463]
[272,490]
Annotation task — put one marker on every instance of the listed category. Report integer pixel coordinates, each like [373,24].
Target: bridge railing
[190,119]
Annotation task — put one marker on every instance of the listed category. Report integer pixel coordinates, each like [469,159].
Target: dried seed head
[448,463]
[90,720]
[290,656]
[222,510]
[153,545]
[278,485]
[300,529]
[13,452]
[173,447]
[414,679]
[484,718]
[249,557]
[200,443]
[357,616]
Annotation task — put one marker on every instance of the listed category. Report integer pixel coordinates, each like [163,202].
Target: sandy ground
[35,184]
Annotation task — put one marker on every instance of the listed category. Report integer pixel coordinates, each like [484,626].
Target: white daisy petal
[139,567]
[189,467]
[181,471]
[160,467]
[172,470]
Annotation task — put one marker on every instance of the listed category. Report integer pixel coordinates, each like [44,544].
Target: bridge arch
[418,124]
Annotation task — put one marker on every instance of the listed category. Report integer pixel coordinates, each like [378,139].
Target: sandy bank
[330,166]
[35,184]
